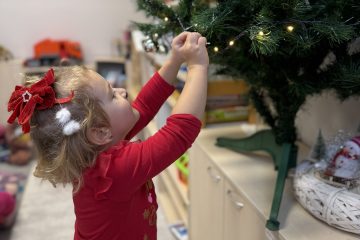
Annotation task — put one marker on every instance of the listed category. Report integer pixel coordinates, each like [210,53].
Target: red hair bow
[40,96]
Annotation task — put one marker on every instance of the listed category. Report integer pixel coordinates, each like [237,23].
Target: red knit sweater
[117,200]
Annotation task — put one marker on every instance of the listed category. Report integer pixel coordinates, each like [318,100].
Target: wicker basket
[337,206]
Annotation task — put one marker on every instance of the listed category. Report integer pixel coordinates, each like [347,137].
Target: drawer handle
[237,204]
[214,177]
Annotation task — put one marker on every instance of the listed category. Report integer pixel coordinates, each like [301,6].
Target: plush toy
[346,162]
[7,208]
[19,144]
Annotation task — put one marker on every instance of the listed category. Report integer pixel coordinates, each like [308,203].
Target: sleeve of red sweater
[141,161]
[151,97]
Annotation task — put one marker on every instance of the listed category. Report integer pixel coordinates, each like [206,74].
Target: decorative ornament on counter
[329,188]
[346,162]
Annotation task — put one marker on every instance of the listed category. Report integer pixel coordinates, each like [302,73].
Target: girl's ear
[99,136]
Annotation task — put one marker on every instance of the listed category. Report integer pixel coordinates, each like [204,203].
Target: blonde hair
[62,159]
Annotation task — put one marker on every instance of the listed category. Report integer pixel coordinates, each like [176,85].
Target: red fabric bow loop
[40,96]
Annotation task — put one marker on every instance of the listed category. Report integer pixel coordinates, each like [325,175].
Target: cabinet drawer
[206,199]
[241,221]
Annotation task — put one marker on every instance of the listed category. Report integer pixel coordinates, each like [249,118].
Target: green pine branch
[287,49]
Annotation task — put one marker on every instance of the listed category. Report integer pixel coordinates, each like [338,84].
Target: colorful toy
[7,207]
[19,145]
[50,52]
[182,166]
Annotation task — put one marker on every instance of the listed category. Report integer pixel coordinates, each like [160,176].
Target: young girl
[81,127]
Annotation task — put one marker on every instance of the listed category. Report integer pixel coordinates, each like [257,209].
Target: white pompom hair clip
[69,126]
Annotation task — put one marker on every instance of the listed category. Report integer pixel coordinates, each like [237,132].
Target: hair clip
[39,96]
[69,126]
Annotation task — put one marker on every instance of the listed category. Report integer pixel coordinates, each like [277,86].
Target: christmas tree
[319,150]
[285,50]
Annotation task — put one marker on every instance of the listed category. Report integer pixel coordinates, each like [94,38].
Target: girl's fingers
[180,39]
[202,41]
[193,38]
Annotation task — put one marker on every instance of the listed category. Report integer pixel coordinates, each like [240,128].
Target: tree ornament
[162,48]
[149,45]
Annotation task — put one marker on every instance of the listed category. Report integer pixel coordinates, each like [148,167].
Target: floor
[47,213]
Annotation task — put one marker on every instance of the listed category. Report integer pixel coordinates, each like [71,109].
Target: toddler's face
[116,105]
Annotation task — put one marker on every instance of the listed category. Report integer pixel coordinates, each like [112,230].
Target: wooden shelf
[180,187]
[109,59]
[174,196]
[181,76]
[165,201]
[171,171]
[44,69]
[173,98]
[172,193]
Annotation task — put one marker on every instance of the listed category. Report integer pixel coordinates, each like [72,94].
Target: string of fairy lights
[216,49]
[261,36]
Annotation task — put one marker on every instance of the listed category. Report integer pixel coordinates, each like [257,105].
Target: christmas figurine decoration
[346,162]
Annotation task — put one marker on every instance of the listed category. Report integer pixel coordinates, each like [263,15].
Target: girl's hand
[190,48]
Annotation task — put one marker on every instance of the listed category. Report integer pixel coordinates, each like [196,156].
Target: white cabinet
[231,195]
[241,222]
[217,209]
[206,189]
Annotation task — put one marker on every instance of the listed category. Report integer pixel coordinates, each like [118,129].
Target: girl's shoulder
[104,158]
[98,177]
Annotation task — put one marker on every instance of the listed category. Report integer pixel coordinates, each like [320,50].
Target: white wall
[93,23]
[328,113]
[97,23]
[9,78]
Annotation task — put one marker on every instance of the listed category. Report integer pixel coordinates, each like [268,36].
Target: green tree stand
[284,157]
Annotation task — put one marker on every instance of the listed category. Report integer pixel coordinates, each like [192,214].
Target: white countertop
[255,177]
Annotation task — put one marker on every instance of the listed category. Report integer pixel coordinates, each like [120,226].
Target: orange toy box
[48,48]
[50,52]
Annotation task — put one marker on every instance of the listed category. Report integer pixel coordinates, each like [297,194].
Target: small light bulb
[261,33]
[166,19]
[216,49]
[290,28]
[231,43]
